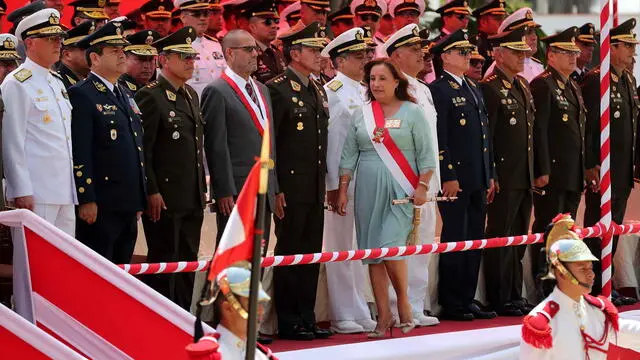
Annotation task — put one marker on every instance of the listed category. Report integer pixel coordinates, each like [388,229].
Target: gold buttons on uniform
[79,173]
[565,117]
[292,172]
[81,190]
[89,181]
[106,178]
[463,122]
[450,166]
[441,157]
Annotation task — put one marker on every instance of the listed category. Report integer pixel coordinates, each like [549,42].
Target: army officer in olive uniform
[73,66]
[107,150]
[141,60]
[511,115]
[558,138]
[173,141]
[300,120]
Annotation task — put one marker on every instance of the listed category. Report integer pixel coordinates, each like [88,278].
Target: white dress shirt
[36,136]
[209,65]
[232,347]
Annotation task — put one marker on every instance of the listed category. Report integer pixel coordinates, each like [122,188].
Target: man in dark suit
[558,138]
[73,66]
[107,150]
[173,133]
[237,109]
[623,113]
[141,60]
[301,119]
[466,171]
[511,116]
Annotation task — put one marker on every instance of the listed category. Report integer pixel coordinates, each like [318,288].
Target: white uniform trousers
[61,216]
[346,280]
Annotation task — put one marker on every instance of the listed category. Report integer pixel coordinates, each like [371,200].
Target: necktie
[467,89]
[119,95]
[251,93]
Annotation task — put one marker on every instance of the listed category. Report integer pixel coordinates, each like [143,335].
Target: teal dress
[378,223]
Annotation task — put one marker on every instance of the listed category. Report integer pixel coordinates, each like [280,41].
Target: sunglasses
[463,52]
[270,21]
[247,49]
[476,63]
[199,13]
[369,17]
[184,56]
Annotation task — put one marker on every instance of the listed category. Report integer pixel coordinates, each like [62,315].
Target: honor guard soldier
[261,21]
[368,13]
[455,16]
[290,15]
[156,15]
[520,18]
[570,323]
[89,10]
[141,60]
[340,21]
[489,18]
[173,137]
[210,62]
[558,137]
[107,150]
[36,134]
[623,112]
[9,58]
[587,43]
[511,116]
[349,311]
[73,66]
[466,171]
[300,117]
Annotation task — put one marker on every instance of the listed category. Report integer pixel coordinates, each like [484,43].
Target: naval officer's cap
[43,23]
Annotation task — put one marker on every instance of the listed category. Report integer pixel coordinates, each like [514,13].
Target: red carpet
[445,326]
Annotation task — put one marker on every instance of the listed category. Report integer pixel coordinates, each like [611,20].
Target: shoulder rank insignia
[131,86]
[536,60]
[295,86]
[152,84]
[614,77]
[454,85]
[334,85]
[72,81]
[211,38]
[55,74]
[100,86]
[506,84]
[23,75]
[170,95]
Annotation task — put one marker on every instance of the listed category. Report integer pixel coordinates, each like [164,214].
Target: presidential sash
[389,152]
[259,115]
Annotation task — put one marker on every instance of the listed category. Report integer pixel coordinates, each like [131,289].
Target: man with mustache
[107,150]
[173,135]
[141,60]
[209,63]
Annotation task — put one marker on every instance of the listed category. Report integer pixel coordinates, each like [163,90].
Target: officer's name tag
[392,123]
[299,110]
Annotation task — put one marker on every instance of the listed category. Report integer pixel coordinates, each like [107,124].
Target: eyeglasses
[369,17]
[186,56]
[199,13]
[627,45]
[269,21]
[476,63]
[464,52]
[247,49]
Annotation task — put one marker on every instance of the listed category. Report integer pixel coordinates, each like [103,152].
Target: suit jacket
[107,147]
[623,125]
[511,117]
[173,135]
[301,118]
[463,134]
[232,141]
[558,132]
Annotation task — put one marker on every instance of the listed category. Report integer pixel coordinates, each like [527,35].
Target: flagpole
[265,164]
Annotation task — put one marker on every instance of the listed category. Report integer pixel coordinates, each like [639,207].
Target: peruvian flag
[236,243]
[86,302]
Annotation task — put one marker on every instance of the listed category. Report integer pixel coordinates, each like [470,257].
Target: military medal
[565,117]
[300,126]
[512,121]
[300,103]
[503,101]
[504,92]
[46,118]
[294,99]
[114,134]
[175,135]
[463,122]
[378,135]
[616,114]
[509,101]
[172,113]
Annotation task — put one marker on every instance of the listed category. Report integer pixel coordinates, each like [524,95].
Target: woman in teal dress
[378,222]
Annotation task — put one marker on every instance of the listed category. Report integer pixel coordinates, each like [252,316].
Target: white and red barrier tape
[351,255]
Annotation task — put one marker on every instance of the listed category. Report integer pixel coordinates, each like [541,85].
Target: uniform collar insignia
[295,86]
[560,84]
[171,95]
[614,77]
[504,92]
[131,86]
[99,86]
[506,84]
[71,80]
[454,84]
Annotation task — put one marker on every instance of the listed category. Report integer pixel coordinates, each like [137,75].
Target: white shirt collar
[456,78]
[236,78]
[230,338]
[109,85]
[35,68]
[564,299]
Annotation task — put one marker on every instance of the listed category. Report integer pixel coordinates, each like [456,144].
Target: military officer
[156,15]
[372,45]
[340,21]
[36,130]
[107,150]
[9,57]
[173,136]
[313,11]
[210,62]
[406,12]
[290,16]
[112,9]
[466,171]
[300,120]
[558,137]
[586,41]
[73,66]
[88,10]
[489,18]
[368,13]
[623,112]
[141,60]
[261,21]
[476,63]
[216,19]
[455,15]
[520,18]
[511,115]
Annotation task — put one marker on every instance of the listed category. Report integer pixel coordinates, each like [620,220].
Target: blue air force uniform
[108,158]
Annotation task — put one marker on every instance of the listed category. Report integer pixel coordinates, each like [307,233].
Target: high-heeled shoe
[379,334]
[407,327]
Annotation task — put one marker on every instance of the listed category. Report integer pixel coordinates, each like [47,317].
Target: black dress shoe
[524,306]
[320,333]
[264,340]
[456,315]
[509,309]
[478,313]
[297,333]
[617,302]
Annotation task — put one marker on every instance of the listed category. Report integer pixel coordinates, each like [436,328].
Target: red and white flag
[236,243]
[88,303]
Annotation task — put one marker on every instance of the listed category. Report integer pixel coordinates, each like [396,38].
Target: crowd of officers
[108,121]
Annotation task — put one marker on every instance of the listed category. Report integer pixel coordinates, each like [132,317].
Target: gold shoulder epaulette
[334,85]
[280,79]
[211,38]
[152,84]
[22,75]
[489,79]
[536,60]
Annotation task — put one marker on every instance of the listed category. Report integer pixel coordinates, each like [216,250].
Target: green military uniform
[511,117]
[558,138]
[141,47]
[301,121]
[74,35]
[173,135]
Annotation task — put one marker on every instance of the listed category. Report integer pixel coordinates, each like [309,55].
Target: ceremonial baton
[431,199]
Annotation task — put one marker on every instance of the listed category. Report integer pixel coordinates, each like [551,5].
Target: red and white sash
[254,111]
[389,152]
